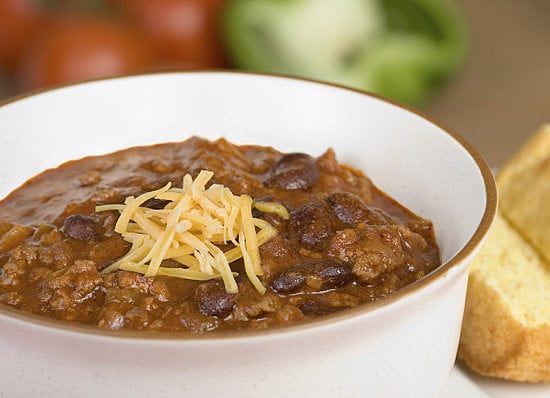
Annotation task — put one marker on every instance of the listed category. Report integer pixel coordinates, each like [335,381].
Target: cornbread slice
[506,327]
[524,186]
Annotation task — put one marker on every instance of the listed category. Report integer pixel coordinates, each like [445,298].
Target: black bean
[312,225]
[80,227]
[213,300]
[317,275]
[293,171]
[155,204]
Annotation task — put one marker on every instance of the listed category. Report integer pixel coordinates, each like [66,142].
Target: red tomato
[83,47]
[19,20]
[184,33]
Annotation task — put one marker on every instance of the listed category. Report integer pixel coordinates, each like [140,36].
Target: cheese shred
[192,230]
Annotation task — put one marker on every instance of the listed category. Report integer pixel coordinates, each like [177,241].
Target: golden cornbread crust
[506,326]
[497,345]
[494,342]
[524,187]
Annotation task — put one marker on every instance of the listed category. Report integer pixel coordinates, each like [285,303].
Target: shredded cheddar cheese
[190,230]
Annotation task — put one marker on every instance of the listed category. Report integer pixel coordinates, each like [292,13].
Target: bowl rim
[477,238]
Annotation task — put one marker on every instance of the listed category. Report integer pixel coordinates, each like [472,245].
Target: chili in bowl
[202,230]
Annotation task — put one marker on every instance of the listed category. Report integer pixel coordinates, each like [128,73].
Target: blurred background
[502,93]
[479,67]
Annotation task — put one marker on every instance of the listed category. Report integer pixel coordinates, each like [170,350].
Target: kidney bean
[321,304]
[347,207]
[289,281]
[311,224]
[213,300]
[317,275]
[377,216]
[155,204]
[314,308]
[350,209]
[80,227]
[293,171]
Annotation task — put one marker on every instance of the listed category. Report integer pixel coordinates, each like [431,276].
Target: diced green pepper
[401,49]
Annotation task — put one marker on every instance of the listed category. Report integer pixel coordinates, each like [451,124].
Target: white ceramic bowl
[401,346]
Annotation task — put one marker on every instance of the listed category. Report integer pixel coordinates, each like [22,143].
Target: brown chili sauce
[346,243]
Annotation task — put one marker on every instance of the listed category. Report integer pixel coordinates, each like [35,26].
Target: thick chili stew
[99,241]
